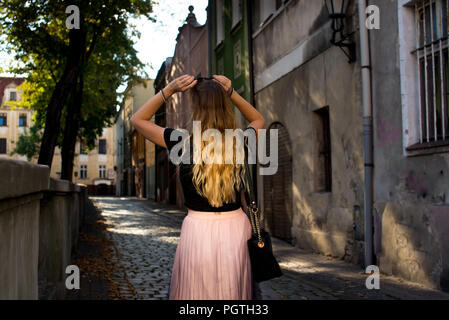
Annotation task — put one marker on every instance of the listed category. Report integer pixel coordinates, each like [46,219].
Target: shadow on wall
[415,242]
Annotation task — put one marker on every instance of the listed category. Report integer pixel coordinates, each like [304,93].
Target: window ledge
[236,27]
[428,148]
[270,18]
[219,45]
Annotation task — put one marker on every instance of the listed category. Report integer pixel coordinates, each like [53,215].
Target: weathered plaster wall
[411,192]
[322,222]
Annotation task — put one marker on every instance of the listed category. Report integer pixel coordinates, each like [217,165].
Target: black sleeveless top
[192,199]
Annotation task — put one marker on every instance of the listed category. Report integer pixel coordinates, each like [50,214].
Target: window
[220,21]
[83,172]
[432,69]
[83,149]
[324,165]
[102,146]
[278,4]
[2,145]
[3,118]
[236,12]
[23,120]
[102,171]
[237,59]
[220,67]
[267,8]
[12,96]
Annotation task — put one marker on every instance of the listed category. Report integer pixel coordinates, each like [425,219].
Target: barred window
[432,69]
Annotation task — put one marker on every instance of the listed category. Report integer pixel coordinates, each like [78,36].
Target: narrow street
[144,237]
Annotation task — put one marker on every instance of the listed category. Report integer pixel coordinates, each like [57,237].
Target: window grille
[432,69]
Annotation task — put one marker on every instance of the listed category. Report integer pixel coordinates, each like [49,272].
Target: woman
[211,260]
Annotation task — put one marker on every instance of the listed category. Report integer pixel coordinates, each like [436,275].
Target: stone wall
[411,188]
[303,74]
[39,223]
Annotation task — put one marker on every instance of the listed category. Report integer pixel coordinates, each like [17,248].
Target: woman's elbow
[133,120]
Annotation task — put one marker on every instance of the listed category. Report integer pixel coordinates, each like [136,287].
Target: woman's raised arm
[140,120]
[251,114]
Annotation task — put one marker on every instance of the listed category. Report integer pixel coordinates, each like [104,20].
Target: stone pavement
[309,276]
[145,235]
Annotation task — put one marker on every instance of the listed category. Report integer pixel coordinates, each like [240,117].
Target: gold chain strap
[254,210]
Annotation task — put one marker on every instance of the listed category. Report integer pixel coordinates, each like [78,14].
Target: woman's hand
[224,82]
[181,84]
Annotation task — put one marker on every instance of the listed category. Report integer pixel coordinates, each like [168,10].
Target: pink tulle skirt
[212,259]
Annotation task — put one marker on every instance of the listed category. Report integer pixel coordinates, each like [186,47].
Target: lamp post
[337,13]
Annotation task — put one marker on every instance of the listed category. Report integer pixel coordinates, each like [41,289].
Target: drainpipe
[249,10]
[367,131]
[209,39]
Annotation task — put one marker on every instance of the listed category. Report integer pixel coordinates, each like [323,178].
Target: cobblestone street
[145,235]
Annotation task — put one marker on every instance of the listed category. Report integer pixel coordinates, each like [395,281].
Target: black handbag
[263,263]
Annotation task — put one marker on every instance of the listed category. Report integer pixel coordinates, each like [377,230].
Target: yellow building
[13,121]
[95,168]
[136,173]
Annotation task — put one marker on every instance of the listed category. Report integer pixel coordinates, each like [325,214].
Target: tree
[58,57]
[28,144]
[97,91]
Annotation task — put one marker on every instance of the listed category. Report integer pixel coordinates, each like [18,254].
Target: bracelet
[163,95]
[232,91]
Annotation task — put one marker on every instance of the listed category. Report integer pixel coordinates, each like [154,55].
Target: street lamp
[337,12]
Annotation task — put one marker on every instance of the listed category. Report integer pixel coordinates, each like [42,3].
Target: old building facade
[94,168]
[166,179]
[311,95]
[135,155]
[308,92]
[190,57]
[14,121]
[229,45]
[411,117]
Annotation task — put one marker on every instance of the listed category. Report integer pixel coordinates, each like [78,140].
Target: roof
[190,21]
[5,81]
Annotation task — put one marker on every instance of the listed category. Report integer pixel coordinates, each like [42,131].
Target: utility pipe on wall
[365,63]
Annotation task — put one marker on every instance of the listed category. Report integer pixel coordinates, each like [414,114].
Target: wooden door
[277,188]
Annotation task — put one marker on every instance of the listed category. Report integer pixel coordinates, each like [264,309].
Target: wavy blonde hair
[214,181]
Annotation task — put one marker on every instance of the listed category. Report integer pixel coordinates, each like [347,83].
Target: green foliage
[29,143]
[35,31]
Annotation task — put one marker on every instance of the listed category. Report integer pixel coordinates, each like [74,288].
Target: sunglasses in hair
[203,78]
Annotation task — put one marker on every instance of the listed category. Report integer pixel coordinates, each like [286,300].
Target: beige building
[94,168]
[135,155]
[14,121]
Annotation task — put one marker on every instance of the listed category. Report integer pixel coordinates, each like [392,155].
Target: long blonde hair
[214,181]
